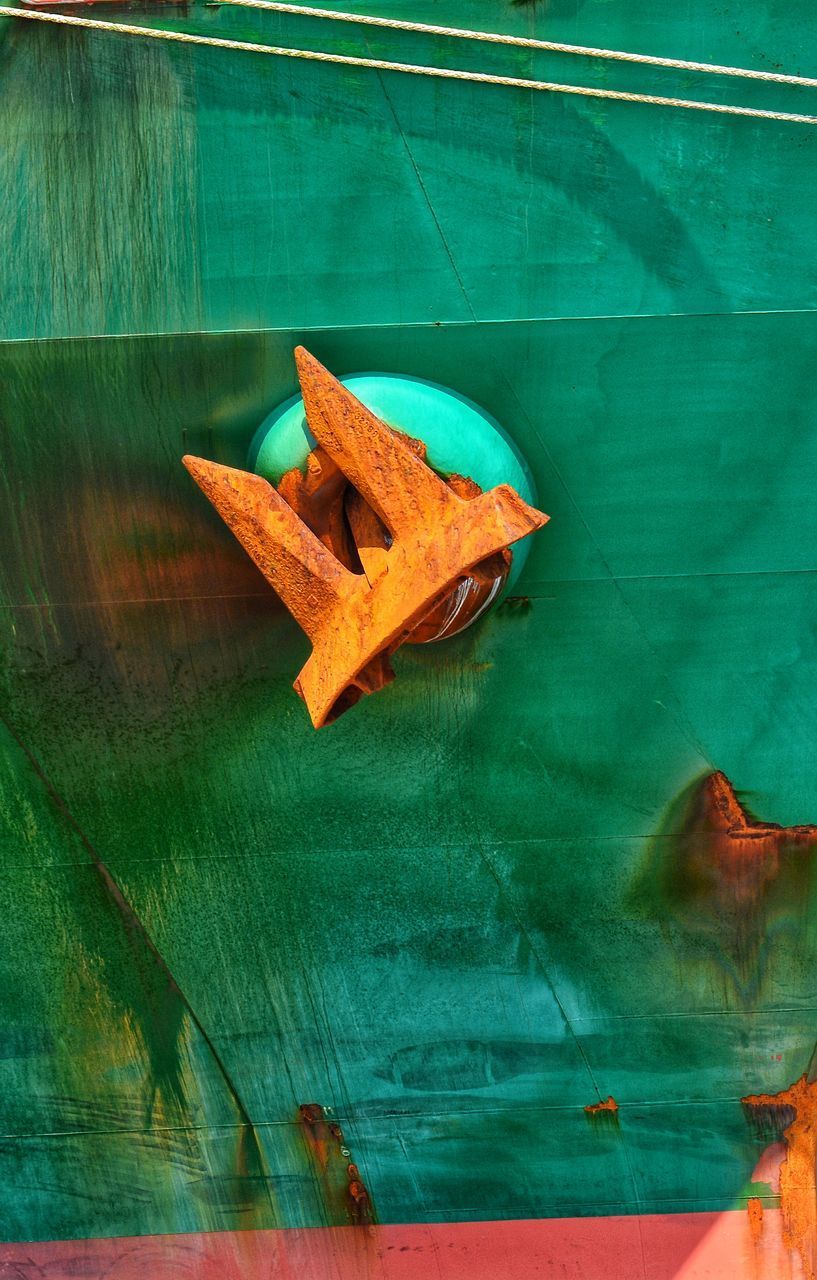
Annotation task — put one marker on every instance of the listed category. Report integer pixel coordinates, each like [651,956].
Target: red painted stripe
[692,1246]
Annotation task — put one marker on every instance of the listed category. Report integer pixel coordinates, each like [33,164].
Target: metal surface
[345,523]
[357,621]
[671,1246]
[458,917]
[452,914]
[792,1116]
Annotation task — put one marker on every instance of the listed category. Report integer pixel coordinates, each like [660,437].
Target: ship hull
[479,903]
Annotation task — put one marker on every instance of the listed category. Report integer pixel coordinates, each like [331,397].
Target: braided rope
[376,64]
[524,42]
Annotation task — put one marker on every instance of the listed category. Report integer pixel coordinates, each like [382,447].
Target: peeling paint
[796,1108]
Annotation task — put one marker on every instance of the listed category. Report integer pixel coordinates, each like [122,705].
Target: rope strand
[524,42]
[376,64]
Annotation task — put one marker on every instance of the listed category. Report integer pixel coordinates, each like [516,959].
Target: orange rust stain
[729,816]
[746,853]
[722,875]
[360,1205]
[798,1172]
[609,1107]
[754,1210]
[317,1131]
[437,537]
[346,1195]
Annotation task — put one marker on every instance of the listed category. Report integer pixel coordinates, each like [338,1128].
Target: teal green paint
[398,915]
[460,437]
[302,195]
[404,960]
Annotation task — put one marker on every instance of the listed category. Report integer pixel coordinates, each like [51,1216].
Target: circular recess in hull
[461,439]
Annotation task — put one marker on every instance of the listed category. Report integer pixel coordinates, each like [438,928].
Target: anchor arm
[304,573]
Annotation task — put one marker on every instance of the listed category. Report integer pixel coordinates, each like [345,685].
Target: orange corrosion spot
[609,1107]
[798,1172]
[360,1205]
[745,854]
[345,1194]
[728,816]
[754,1210]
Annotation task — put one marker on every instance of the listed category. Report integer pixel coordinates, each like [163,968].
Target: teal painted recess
[460,438]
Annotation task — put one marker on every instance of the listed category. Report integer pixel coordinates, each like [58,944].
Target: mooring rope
[377,64]
[524,42]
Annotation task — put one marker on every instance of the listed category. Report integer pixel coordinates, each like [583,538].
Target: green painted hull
[441,916]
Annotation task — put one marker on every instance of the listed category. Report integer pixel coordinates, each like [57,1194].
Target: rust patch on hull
[345,1194]
[754,1210]
[728,817]
[603,1115]
[796,1108]
[608,1107]
[722,876]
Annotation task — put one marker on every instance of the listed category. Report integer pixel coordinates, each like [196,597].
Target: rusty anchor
[435,539]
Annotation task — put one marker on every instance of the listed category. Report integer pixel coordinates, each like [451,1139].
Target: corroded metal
[743,855]
[608,1107]
[729,819]
[471,595]
[355,623]
[317,496]
[345,1194]
[345,523]
[794,1111]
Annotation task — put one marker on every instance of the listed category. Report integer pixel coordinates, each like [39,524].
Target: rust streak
[723,876]
[345,1193]
[360,1205]
[754,1210]
[797,1106]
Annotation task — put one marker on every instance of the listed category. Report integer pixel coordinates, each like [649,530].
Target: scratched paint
[98,168]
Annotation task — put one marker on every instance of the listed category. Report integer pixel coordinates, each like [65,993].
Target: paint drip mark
[794,1110]
[345,1194]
